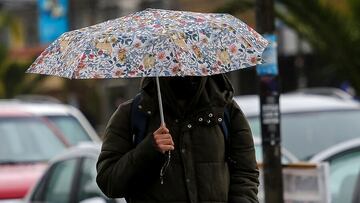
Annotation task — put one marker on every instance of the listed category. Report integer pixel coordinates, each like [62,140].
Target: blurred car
[71,177]
[27,142]
[318,128]
[68,119]
[286,156]
[309,123]
[31,134]
[344,162]
[327,91]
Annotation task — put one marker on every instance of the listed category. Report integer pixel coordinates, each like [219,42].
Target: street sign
[53,19]
[303,183]
[270,65]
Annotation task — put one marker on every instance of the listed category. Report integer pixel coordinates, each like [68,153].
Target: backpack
[139,119]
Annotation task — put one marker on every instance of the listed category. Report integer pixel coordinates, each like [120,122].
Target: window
[60,182]
[343,175]
[259,155]
[88,187]
[71,128]
[27,139]
[315,130]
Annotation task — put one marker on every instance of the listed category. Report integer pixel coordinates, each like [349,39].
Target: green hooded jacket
[199,170]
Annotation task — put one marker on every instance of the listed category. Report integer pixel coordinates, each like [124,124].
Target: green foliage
[234,6]
[334,35]
[13,79]
[8,22]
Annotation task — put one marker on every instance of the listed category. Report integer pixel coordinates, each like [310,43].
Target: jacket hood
[213,92]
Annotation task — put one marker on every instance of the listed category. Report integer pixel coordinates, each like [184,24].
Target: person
[204,166]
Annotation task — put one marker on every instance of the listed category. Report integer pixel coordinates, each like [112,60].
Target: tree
[334,35]
[13,80]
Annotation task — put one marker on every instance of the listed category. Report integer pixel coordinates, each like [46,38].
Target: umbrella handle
[160,102]
[168,157]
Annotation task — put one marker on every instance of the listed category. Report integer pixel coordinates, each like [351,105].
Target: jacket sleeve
[119,162]
[244,174]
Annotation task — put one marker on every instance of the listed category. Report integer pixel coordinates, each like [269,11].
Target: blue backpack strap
[225,124]
[138,121]
[226,127]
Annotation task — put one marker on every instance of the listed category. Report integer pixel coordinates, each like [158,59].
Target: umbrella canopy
[153,42]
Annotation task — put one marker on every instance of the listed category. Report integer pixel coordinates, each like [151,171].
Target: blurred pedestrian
[205,166]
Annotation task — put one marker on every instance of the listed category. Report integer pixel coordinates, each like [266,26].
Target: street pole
[269,105]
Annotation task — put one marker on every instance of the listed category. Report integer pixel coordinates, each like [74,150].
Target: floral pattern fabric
[154,42]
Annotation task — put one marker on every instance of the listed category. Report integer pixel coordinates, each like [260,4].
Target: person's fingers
[162,136]
[164,142]
[163,139]
[161,130]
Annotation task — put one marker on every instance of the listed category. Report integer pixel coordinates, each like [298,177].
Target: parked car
[309,123]
[286,158]
[69,120]
[344,162]
[71,178]
[327,91]
[318,128]
[31,134]
[27,142]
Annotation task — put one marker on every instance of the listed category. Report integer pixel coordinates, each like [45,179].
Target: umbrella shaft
[160,102]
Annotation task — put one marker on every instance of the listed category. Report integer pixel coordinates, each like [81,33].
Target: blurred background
[318,45]
[319,67]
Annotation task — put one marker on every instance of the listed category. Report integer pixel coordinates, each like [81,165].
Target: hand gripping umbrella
[154,43]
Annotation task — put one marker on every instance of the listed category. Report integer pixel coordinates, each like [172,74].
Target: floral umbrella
[153,43]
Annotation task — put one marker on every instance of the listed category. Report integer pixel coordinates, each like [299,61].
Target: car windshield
[71,128]
[25,139]
[344,169]
[259,155]
[305,134]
